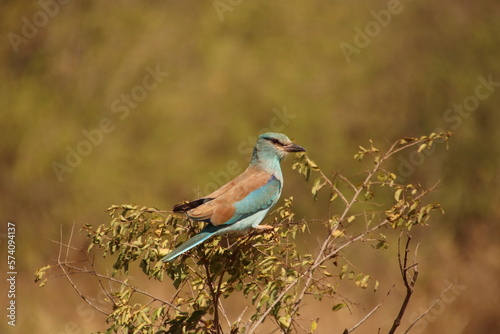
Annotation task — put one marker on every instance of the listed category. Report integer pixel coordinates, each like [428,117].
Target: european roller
[242,203]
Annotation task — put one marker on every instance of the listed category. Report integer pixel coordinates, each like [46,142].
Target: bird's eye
[276,142]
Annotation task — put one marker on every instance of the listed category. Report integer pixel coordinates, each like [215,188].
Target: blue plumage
[204,234]
[243,202]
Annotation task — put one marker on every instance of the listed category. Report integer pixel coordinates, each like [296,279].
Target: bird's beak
[293,148]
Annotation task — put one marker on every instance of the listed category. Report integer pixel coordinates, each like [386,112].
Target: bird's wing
[247,174]
[252,191]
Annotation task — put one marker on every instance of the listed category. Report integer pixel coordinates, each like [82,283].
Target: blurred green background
[180,90]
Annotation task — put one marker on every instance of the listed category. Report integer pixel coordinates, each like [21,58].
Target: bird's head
[273,145]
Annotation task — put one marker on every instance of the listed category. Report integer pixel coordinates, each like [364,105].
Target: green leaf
[285,321]
[338,307]
[312,164]
[318,184]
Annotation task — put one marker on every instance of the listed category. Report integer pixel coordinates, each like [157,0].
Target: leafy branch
[265,269]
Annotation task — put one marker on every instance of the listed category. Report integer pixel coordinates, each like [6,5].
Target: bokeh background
[225,72]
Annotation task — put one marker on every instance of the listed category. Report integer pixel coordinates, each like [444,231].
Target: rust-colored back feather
[218,207]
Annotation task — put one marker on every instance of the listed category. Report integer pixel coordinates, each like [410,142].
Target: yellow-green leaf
[337,233]
[285,321]
[337,307]
[397,194]
[314,326]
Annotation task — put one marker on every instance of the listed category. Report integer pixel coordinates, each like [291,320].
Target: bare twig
[369,314]
[430,308]
[333,187]
[62,264]
[118,281]
[223,312]
[409,281]
[68,270]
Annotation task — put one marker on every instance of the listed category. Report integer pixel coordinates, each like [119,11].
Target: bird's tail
[196,240]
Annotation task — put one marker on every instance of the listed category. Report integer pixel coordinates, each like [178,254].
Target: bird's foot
[264,228]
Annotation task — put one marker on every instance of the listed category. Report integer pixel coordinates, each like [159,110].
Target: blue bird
[243,202]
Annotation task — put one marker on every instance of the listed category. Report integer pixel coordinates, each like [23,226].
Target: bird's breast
[246,223]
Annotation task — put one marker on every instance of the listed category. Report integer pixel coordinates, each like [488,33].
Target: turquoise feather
[243,202]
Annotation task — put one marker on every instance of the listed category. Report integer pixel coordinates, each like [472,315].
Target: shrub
[269,270]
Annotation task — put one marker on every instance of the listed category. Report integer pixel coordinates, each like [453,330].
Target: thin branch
[69,270]
[223,311]
[333,187]
[308,273]
[215,298]
[218,303]
[404,146]
[103,288]
[61,265]
[409,281]
[347,331]
[257,323]
[241,315]
[430,308]
[118,281]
